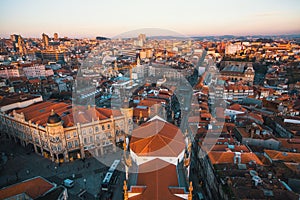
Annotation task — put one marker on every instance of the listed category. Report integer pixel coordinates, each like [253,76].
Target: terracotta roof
[251,115]
[157,138]
[205,115]
[290,143]
[36,80]
[227,157]
[237,107]
[283,156]
[34,188]
[38,113]
[293,166]
[159,178]
[138,111]
[236,148]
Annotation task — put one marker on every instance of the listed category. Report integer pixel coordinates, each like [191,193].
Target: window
[91,139]
[68,136]
[103,128]
[97,129]
[69,144]
[54,148]
[84,140]
[83,132]
[74,134]
[108,126]
[76,143]
[90,131]
[108,134]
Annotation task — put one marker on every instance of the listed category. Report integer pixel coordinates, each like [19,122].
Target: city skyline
[205,105]
[193,18]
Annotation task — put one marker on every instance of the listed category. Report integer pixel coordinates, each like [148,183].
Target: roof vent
[253,173]
[284,153]
[268,193]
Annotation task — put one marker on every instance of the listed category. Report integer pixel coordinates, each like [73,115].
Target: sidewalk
[22,166]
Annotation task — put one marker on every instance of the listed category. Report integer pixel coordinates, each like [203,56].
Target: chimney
[237,159]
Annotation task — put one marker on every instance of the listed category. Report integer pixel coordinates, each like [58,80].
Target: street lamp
[84,180]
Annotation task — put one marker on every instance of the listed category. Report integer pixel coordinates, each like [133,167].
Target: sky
[91,18]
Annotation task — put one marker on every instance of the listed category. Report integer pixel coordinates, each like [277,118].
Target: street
[22,165]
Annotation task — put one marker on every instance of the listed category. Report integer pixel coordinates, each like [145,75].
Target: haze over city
[109,18]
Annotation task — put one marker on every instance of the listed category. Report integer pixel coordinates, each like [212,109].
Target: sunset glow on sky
[90,18]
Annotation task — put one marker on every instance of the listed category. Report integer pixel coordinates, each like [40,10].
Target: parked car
[68,183]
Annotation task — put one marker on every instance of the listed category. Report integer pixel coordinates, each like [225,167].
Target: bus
[109,176]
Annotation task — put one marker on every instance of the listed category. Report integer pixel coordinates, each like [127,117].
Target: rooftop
[38,113]
[157,138]
[228,157]
[158,180]
[34,188]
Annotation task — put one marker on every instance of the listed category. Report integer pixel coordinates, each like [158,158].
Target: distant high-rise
[55,36]
[45,38]
[14,39]
[142,37]
[19,44]
[140,40]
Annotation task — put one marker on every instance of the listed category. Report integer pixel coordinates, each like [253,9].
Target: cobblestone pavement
[22,164]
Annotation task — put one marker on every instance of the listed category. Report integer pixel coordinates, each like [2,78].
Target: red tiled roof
[237,107]
[33,187]
[36,80]
[138,111]
[283,156]
[290,143]
[157,138]
[223,147]
[159,177]
[38,113]
[205,115]
[227,157]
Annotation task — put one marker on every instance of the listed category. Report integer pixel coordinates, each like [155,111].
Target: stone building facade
[62,133]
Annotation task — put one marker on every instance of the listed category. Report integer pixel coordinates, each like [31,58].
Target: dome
[53,118]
